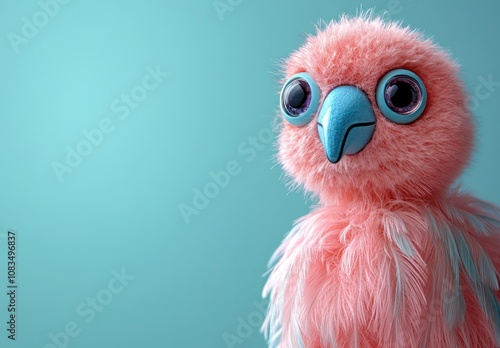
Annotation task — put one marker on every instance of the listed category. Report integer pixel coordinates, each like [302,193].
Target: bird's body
[378,128]
[393,274]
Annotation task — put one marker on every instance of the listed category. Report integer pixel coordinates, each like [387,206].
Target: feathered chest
[399,275]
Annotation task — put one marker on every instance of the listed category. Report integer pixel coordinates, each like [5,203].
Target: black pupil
[401,94]
[296,95]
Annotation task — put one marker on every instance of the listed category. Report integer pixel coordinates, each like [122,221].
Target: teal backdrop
[137,165]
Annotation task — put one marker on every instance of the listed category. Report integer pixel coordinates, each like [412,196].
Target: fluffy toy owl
[376,124]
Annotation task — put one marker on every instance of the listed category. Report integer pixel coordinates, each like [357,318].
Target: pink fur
[417,160]
[379,263]
[334,284]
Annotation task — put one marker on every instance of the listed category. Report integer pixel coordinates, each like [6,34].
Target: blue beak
[346,122]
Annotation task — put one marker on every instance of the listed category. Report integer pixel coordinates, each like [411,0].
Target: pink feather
[392,257]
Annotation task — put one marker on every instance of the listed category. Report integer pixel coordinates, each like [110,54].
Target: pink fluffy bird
[376,124]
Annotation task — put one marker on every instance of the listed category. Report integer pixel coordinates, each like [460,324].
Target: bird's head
[373,110]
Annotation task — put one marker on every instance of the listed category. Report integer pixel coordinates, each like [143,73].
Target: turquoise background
[195,284]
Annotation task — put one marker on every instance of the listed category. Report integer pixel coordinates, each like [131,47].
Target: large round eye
[401,96]
[299,99]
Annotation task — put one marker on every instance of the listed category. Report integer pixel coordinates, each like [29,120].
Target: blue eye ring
[401,115]
[300,116]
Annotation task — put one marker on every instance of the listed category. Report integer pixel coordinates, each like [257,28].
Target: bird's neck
[373,198]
